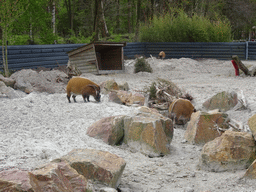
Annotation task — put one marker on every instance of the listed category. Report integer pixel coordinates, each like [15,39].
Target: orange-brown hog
[82,86]
[180,111]
[161,55]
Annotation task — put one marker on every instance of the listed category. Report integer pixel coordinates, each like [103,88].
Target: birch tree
[9,12]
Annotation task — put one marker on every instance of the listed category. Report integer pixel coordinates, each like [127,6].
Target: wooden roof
[98,43]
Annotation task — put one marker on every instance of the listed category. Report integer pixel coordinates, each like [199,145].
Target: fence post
[145,49]
[246,50]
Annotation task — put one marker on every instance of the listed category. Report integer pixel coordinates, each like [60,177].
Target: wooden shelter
[98,58]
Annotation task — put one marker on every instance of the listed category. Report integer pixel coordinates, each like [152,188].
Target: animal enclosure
[98,58]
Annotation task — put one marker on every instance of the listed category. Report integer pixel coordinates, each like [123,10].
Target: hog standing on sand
[82,86]
[180,111]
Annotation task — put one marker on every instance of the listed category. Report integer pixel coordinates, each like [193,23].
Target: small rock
[188,189]
[107,189]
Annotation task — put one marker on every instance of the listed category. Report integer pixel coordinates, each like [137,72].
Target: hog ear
[96,88]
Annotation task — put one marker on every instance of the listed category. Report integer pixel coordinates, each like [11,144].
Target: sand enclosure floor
[41,127]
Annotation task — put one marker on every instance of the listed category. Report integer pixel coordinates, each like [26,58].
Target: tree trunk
[99,20]
[68,7]
[95,23]
[241,65]
[4,51]
[72,12]
[3,55]
[118,17]
[152,9]
[137,21]
[129,17]
[30,29]
[6,56]
[53,18]
[103,21]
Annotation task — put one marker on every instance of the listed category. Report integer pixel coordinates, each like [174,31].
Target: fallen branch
[219,129]
[244,99]
[243,102]
[237,125]
[152,57]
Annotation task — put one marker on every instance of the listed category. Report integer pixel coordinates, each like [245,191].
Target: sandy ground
[41,127]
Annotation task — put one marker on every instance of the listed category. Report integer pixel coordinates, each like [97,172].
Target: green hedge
[181,28]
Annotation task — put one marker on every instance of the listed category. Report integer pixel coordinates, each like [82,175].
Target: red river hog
[180,111]
[161,55]
[82,86]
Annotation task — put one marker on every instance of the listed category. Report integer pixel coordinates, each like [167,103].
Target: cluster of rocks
[79,170]
[224,149]
[28,80]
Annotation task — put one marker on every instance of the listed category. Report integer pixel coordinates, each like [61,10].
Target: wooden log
[241,65]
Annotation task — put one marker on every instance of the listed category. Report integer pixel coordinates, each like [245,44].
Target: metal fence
[188,50]
[32,56]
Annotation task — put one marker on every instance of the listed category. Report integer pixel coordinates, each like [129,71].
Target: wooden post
[241,65]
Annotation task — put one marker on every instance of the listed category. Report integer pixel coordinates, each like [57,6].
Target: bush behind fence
[50,56]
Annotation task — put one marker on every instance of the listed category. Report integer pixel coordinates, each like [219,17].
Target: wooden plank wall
[85,60]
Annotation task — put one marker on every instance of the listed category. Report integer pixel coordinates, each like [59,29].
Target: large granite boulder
[100,166]
[28,80]
[252,125]
[148,132]
[109,129]
[15,180]
[223,101]
[57,176]
[231,151]
[126,98]
[203,127]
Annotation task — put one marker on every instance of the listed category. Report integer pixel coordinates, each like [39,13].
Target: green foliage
[80,39]
[181,28]
[10,72]
[18,39]
[142,65]
[152,91]
[119,38]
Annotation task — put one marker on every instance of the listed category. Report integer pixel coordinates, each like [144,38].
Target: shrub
[152,91]
[142,65]
[181,28]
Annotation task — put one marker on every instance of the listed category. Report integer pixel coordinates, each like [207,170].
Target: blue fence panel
[251,50]
[188,50]
[133,49]
[33,56]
